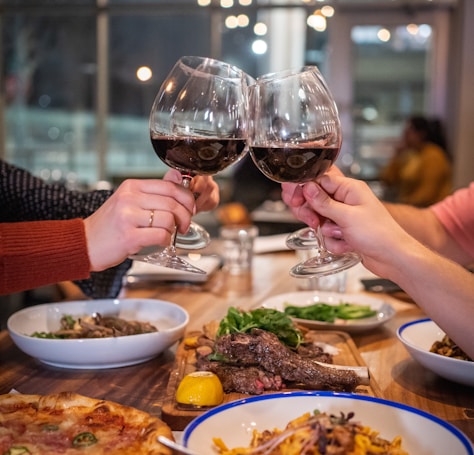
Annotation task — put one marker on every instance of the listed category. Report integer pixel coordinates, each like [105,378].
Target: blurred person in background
[420,171]
[57,234]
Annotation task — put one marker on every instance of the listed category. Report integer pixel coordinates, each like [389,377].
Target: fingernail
[337,234]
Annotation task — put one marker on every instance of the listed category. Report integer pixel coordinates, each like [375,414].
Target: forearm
[417,222]
[425,227]
[442,288]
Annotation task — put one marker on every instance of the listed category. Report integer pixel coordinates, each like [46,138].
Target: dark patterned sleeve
[24,197]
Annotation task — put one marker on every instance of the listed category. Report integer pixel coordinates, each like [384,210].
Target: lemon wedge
[200,388]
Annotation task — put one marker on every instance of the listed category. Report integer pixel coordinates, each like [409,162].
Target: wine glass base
[195,239]
[325,265]
[303,239]
[165,259]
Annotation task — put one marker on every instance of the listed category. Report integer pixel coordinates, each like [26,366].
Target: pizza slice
[69,423]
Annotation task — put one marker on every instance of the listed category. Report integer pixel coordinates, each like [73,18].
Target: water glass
[238,244]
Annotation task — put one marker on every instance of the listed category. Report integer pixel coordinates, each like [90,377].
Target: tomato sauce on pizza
[69,423]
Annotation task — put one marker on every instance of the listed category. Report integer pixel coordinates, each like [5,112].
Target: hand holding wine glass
[295,136]
[198,125]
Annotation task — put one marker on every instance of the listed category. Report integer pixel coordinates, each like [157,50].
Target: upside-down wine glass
[295,136]
[198,125]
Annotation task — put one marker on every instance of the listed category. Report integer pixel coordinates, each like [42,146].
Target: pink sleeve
[456,214]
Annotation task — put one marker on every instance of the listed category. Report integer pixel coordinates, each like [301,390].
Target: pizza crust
[118,429]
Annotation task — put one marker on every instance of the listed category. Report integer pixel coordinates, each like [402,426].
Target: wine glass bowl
[295,136]
[198,121]
[295,130]
[198,125]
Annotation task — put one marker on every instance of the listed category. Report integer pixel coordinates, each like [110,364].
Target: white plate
[384,310]
[94,353]
[418,337]
[422,433]
[270,243]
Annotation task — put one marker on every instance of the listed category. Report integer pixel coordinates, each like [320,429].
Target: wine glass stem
[171,249]
[186,183]
[321,248]
[172,246]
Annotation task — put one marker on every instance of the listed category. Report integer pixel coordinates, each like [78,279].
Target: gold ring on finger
[150,220]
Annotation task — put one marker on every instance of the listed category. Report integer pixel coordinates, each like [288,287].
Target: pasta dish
[317,434]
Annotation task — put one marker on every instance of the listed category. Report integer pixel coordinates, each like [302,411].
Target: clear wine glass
[295,136]
[198,125]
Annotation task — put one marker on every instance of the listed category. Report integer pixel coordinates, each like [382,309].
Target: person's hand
[139,213]
[204,188]
[292,195]
[359,221]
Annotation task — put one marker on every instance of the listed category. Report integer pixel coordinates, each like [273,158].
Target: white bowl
[422,433]
[418,337]
[93,353]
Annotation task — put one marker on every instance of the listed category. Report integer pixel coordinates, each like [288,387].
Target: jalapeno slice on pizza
[65,422]
[84,439]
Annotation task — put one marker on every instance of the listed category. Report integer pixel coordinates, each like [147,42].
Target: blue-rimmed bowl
[418,337]
[234,422]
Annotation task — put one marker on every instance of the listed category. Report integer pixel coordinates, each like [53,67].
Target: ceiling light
[260,29]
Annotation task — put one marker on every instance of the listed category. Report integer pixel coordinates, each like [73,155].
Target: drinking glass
[295,136]
[198,125]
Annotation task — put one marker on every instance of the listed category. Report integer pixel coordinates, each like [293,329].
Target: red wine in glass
[294,164]
[198,156]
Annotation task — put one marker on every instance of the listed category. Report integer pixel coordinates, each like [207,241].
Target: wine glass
[198,125]
[295,136]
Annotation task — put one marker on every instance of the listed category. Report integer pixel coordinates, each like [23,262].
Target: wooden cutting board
[178,418]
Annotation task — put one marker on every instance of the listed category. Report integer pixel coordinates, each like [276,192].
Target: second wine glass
[198,125]
[295,136]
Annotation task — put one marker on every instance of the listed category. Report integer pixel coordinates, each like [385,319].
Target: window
[391,82]
[80,76]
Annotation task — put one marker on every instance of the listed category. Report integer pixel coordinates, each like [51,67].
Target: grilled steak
[263,350]
[242,379]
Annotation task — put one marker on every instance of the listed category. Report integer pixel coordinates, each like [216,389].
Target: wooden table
[399,377]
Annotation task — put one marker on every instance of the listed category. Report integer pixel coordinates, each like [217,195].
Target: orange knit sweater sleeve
[38,253]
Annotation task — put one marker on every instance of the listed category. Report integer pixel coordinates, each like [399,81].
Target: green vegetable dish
[329,313]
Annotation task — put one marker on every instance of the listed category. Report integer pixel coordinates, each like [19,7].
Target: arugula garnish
[277,322]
